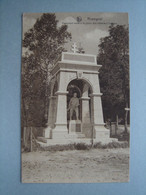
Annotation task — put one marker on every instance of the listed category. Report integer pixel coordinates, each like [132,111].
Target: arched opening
[72,88]
[83,90]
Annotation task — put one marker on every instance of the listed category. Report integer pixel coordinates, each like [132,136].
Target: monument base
[47,132]
[61,135]
[75,126]
[101,131]
[102,134]
[60,131]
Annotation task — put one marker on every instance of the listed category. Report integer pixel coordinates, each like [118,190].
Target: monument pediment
[78,58]
[77,61]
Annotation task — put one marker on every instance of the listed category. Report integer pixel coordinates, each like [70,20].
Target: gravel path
[77,166]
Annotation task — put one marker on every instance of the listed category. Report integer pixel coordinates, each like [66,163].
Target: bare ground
[76,166]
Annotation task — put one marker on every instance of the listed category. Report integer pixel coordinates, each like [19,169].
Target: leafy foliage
[42,44]
[114,74]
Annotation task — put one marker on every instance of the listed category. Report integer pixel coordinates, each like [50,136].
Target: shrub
[111,145]
[82,146]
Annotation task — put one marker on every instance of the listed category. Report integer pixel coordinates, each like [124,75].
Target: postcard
[75,104]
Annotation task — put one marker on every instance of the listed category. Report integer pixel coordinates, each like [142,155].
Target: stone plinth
[47,132]
[75,126]
[101,133]
[60,131]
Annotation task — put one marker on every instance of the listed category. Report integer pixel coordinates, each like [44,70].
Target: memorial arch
[77,73]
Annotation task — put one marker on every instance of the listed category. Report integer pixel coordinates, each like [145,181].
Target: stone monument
[76,75]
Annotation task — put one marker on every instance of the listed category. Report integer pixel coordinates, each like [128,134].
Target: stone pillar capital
[52,97]
[61,93]
[96,94]
[99,124]
[85,98]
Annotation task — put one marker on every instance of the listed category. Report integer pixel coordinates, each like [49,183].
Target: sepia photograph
[75,98]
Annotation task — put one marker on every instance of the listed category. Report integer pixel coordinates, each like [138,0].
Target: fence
[29,137]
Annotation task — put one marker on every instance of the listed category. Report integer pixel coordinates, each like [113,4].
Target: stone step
[44,142]
[42,139]
[51,142]
[69,137]
[80,135]
[76,135]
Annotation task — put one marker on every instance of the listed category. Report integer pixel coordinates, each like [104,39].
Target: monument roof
[77,58]
[69,60]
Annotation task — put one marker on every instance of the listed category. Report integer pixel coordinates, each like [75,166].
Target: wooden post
[126,121]
[126,114]
[117,124]
[30,139]
[24,137]
[110,129]
[92,136]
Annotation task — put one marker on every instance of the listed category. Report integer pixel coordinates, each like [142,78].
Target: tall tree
[114,74]
[42,44]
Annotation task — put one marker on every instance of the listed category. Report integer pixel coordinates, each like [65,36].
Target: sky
[86,28]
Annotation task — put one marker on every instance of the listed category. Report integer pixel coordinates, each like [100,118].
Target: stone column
[86,120]
[100,131]
[52,111]
[85,109]
[60,130]
[85,105]
[47,132]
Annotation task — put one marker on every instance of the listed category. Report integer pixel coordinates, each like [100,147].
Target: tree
[114,74]
[42,44]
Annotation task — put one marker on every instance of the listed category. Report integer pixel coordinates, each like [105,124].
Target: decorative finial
[74,48]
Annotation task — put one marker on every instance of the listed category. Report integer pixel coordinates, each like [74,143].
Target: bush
[111,145]
[81,146]
[56,148]
[74,146]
